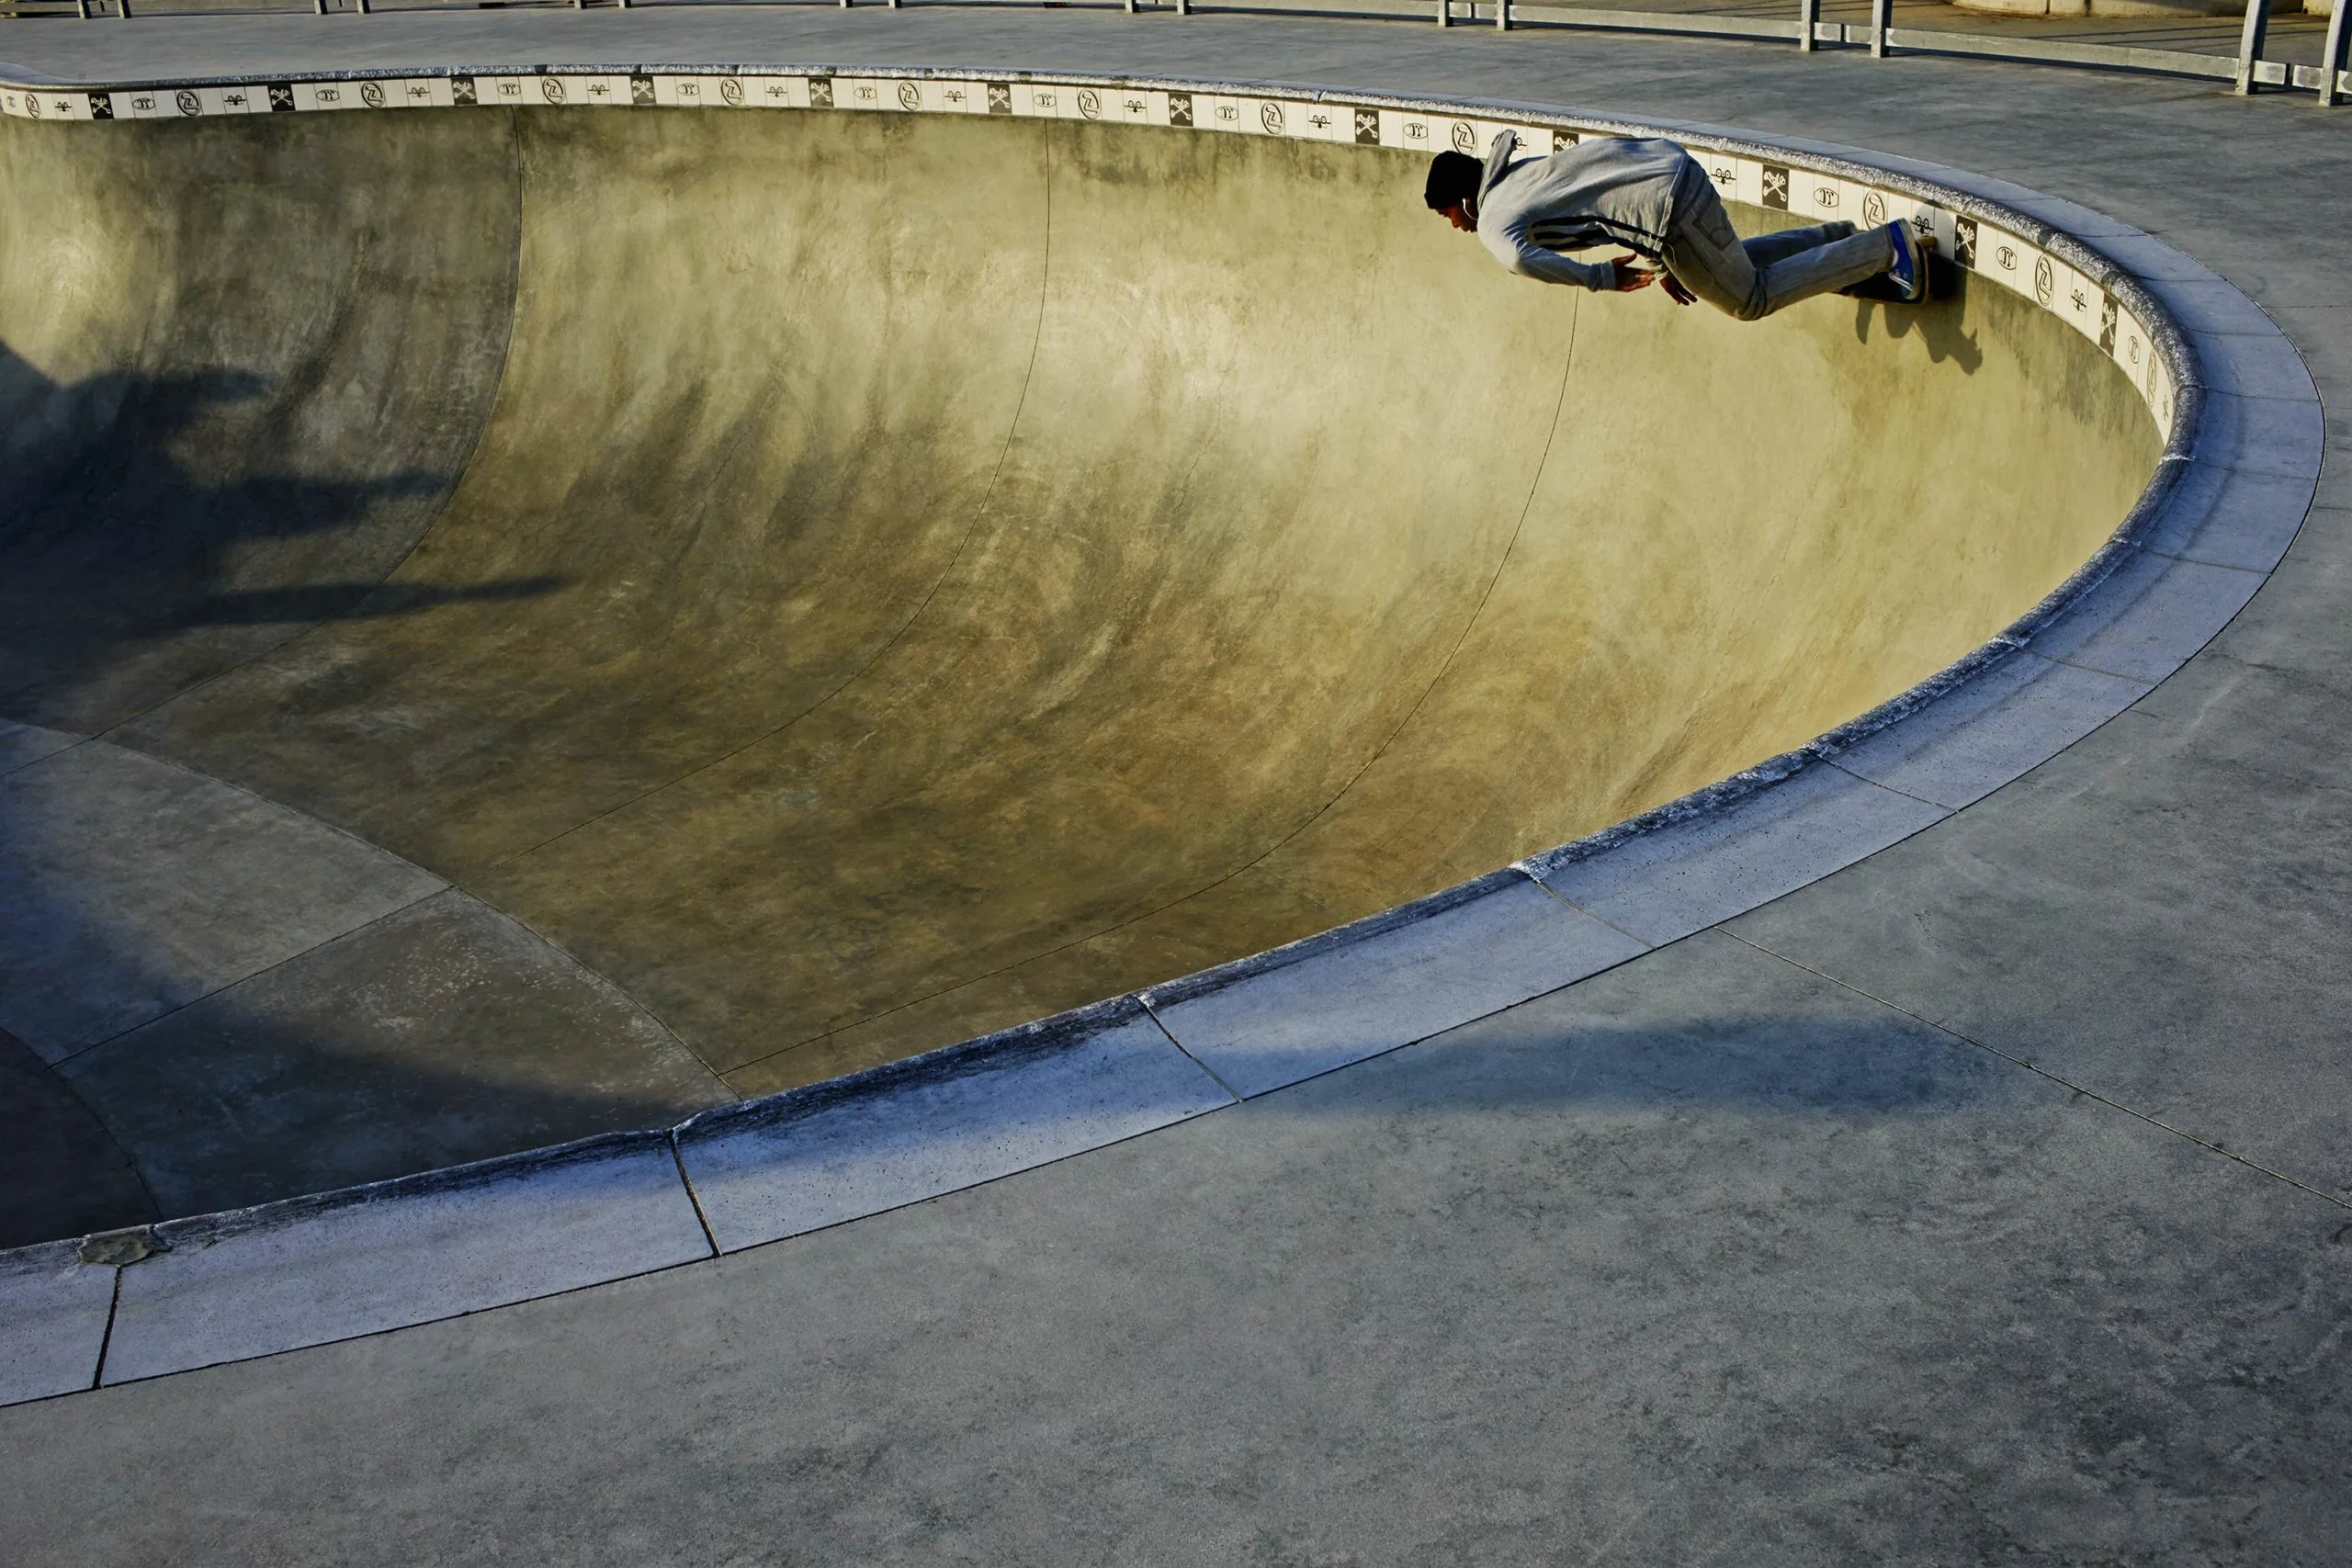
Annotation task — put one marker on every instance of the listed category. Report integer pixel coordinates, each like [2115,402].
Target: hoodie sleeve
[1516,251]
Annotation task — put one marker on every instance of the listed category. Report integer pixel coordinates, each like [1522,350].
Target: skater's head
[1453,188]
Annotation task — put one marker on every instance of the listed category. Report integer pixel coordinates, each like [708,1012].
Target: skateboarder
[1653,198]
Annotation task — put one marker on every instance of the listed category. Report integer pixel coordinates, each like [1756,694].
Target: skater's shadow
[157,530]
[1936,325]
[148,542]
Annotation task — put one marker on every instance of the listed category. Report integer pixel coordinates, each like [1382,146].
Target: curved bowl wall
[859,580]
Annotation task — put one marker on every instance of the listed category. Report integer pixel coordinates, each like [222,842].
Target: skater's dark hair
[1453,179]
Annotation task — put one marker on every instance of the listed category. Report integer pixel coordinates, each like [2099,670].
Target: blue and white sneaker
[1909,273]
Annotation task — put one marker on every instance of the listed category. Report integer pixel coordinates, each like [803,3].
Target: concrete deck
[1771,1246]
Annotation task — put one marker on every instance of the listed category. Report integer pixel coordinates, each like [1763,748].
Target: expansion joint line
[1215,1077]
[2067,1084]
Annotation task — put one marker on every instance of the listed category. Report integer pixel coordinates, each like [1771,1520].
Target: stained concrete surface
[822,593]
[984,478]
[136,888]
[1707,1260]
[60,1169]
[439,1034]
[1698,1262]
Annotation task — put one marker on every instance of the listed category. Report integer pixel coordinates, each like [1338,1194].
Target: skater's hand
[1674,289]
[1629,277]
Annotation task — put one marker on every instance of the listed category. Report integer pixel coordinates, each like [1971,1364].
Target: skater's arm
[1514,250]
[1523,256]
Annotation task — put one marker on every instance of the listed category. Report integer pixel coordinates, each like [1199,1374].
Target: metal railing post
[2250,40]
[1808,18]
[2331,57]
[1882,22]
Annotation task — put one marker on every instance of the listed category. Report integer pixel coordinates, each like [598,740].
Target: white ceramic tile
[53,1311]
[1271,116]
[1413,132]
[2134,349]
[592,91]
[2161,393]
[1666,885]
[340,95]
[1462,136]
[1045,100]
[2006,259]
[1353,999]
[937,1125]
[764,92]
[509,92]
[1996,727]
[945,97]
[552,91]
[306,1273]
[433,92]
[1724,172]
[51,103]
[2147,619]
[1325,122]
[1824,198]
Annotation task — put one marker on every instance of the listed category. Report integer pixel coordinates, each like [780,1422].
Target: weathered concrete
[442,1034]
[852,667]
[1703,1261]
[136,888]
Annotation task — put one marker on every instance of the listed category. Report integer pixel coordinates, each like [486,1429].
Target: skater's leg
[1825,269]
[1702,253]
[1763,249]
[1705,255]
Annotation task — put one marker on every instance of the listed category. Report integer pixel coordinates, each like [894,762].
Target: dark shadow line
[2067,1084]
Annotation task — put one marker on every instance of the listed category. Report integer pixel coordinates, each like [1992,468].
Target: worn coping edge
[1726,808]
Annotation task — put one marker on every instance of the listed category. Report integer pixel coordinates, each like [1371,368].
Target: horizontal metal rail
[2248,70]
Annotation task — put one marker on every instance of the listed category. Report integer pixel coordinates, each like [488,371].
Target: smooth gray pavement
[1891,1223]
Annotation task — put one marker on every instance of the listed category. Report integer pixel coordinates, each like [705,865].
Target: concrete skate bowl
[763,595]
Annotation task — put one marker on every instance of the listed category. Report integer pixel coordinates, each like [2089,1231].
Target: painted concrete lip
[2243,441]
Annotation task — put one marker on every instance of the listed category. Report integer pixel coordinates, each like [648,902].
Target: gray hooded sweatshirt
[1607,191]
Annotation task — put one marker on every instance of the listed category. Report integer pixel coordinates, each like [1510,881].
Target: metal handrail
[2248,71]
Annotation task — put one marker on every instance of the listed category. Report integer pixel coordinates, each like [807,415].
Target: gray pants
[1755,278]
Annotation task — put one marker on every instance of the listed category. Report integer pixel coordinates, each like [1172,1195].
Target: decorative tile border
[2081,288]
[2240,423]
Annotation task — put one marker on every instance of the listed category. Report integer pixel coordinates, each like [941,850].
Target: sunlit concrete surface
[855,584]
[1766,1246]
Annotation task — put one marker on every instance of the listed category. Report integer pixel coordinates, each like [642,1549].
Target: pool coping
[2243,438]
